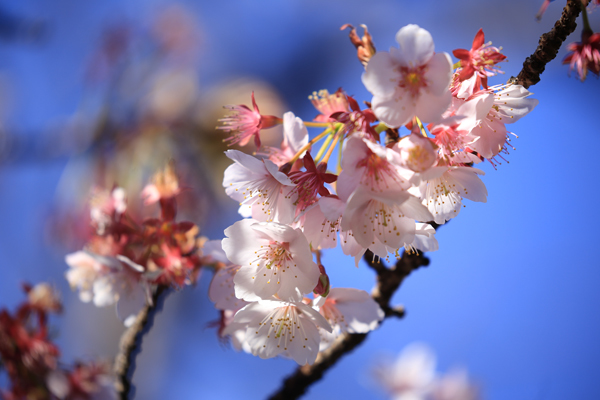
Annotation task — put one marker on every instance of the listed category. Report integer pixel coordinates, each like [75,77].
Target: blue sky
[512,294]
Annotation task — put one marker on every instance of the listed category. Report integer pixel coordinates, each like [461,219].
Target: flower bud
[322,288]
[417,153]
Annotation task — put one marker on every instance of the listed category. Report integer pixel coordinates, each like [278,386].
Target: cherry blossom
[328,104]
[584,56]
[371,166]
[295,137]
[277,327]
[383,221]
[311,182]
[274,259]
[244,124]
[411,376]
[443,193]
[410,81]
[417,153]
[109,280]
[505,105]
[348,310]
[479,61]
[263,191]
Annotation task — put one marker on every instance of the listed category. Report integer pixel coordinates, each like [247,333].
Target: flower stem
[421,127]
[338,137]
[317,124]
[586,22]
[309,144]
[339,166]
[323,147]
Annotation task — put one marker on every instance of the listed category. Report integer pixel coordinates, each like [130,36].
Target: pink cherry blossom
[310,183]
[221,291]
[479,61]
[504,105]
[328,104]
[411,376]
[245,123]
[410,81]
[584,56]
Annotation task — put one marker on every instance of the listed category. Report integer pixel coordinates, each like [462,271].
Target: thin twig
[388,281]
[548,46]
[131,343]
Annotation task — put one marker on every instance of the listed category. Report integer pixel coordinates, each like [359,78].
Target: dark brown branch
[548,46]
[388,281]
[131,343]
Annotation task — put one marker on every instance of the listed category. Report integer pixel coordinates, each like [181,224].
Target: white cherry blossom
[109,280]
[277,327]
[274,259]
[411,376]
[347,310]
[410,81]
[383,221]
[295,136]
[447,186]
[263,191]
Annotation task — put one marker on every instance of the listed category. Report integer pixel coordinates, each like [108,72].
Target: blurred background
[105,92]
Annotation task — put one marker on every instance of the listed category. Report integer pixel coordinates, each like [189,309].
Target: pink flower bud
[322,288]
[417,152]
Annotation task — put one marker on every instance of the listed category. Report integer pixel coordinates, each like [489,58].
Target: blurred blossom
[44,297]
[176,31]
[172,94]
[413,376]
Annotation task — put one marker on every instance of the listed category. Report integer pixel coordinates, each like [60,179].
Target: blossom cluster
[126,260]
[31,359]
[386,193]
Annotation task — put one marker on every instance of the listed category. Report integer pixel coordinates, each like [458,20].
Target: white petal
[295,134]
[314,316]
[380,77]
[361,313]
[276,231]
[396,110]
[221,291]
[439,73]
[240,242]
[429,107]
[416,45]
[474,188]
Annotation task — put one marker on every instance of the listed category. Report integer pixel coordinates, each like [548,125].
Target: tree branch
[388,281]
[131,343]
[548,46]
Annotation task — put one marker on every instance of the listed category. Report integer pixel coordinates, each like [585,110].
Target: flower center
[275,254]
[413,79]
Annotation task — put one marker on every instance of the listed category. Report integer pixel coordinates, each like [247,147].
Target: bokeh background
[99,92]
